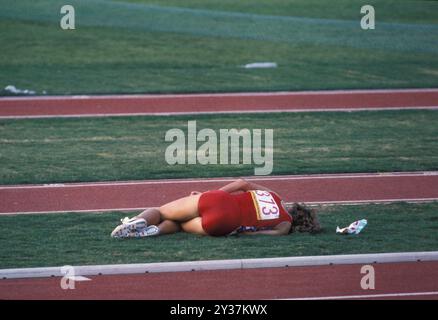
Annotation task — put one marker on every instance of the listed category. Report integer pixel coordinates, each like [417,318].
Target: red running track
[332,188]
[270,283]
[278,283]
[55,106]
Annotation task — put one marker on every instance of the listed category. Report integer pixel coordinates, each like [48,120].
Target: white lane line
[227,179]
[71,211]
[310,203]
[370,201]
[370,296]
[218,95]
[299,110]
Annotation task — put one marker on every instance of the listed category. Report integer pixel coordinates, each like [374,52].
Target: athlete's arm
[243,185]
[279,230]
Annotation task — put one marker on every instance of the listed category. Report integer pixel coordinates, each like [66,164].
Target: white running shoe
[146,232]
[140,221]
[128,226]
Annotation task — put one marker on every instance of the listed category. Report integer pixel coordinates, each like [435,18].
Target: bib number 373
[266,207]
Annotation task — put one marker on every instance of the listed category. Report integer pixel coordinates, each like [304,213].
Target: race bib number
[265,205]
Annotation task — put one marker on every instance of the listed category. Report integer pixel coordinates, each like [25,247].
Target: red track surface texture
[137,195]
[268,283]
[168,104]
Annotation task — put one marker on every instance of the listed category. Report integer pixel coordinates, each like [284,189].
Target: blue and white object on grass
[355,228]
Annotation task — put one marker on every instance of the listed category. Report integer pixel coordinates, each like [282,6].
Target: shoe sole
[123,230]
[147,232]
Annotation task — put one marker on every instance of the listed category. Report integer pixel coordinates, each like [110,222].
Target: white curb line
[221,265]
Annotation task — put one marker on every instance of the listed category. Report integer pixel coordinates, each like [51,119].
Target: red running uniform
[222,212]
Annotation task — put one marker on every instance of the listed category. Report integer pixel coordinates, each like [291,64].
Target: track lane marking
[368,296]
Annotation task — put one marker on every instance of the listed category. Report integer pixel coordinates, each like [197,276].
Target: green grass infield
[84,238]
[133,148]
[202,46]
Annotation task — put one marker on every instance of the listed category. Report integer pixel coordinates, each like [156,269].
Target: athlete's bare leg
[151,215]
[181,210]
[194,226]
[169,226]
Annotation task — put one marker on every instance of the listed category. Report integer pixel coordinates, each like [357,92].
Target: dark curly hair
[303,219]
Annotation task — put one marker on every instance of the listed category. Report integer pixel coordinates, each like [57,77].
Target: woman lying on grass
[239,207]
